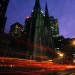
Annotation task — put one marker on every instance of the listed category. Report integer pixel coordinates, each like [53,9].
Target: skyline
[61,10]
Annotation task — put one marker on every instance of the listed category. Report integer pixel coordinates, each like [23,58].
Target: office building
[54,26]
[3,8]
[16,30]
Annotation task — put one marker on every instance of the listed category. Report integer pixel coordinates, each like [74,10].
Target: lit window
[21,29]
[42,11]
[56,48]
[32,10]
[16,26]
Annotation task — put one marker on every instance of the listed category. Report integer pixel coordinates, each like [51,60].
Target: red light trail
[45,65]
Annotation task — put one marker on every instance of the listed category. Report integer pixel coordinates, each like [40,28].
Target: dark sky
[63,10]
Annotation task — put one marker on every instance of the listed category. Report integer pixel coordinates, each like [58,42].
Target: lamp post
[59,58]
[60,55]
[74,60]
[73,42]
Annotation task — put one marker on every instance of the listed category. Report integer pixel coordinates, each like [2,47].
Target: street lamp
[74,61]
[60,54]
[73,42]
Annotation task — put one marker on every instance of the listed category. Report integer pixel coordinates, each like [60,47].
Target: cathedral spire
[37,5]
[46,11]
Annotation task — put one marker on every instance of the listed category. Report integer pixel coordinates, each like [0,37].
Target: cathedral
[40,28]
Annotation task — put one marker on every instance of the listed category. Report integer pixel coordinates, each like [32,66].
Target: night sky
[63,10]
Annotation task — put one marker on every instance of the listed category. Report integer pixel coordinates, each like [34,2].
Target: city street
[16,66]
[40,72]
[64,72]
[37,38]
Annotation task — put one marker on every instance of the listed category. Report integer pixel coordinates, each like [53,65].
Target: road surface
[34,71]
[16,66]
[64,72]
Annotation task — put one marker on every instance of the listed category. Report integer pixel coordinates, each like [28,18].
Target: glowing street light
[61,55]
[73,42]
[50,60]
[74,61]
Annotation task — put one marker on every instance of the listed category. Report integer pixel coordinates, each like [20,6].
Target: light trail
[43,67]
[24,54]
[31,44]
[24,62]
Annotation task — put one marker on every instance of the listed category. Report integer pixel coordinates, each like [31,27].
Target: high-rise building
[27,27]
[54,26]
[16,30]
[60,43]
[56,30]
[3,8]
